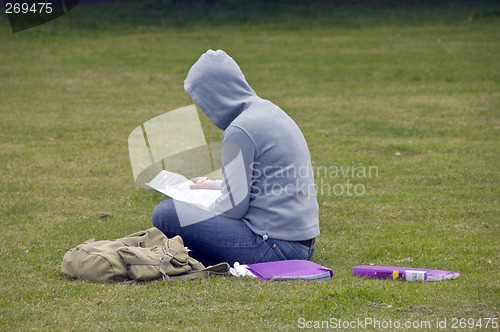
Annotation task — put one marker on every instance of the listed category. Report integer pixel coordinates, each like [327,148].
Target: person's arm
[238,155]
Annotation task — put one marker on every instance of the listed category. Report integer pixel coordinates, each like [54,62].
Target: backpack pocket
[95,261]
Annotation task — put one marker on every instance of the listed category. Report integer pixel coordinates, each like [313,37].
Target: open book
[177,186]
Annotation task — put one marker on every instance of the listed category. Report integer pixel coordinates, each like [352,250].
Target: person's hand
[199,206]
[201,183]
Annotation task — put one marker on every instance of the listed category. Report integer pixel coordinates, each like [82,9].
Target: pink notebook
[403,273]
[290,270]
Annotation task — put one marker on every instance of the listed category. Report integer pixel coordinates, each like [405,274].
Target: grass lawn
[407,96]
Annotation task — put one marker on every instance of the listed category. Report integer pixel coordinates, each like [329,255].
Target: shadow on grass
[279,13]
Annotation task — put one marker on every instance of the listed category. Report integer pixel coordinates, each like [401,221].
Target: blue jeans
[220,239]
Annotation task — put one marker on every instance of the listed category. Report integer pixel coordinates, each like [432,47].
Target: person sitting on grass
[268,209]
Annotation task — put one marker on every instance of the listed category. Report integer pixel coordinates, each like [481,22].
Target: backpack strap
[129,243]
[199,270]
[197,266]
[165,261]
[221,269]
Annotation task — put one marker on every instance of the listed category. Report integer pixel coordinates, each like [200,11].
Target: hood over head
[217,85]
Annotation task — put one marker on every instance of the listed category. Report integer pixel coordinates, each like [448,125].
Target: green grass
[412,91]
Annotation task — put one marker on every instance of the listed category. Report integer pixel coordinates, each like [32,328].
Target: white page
[177,187]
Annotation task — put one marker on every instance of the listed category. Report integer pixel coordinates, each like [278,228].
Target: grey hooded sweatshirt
[267,173]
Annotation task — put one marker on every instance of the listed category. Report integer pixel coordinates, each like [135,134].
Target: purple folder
[403,273]
[290,270]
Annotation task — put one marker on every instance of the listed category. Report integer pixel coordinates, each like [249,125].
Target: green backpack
[142,256]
